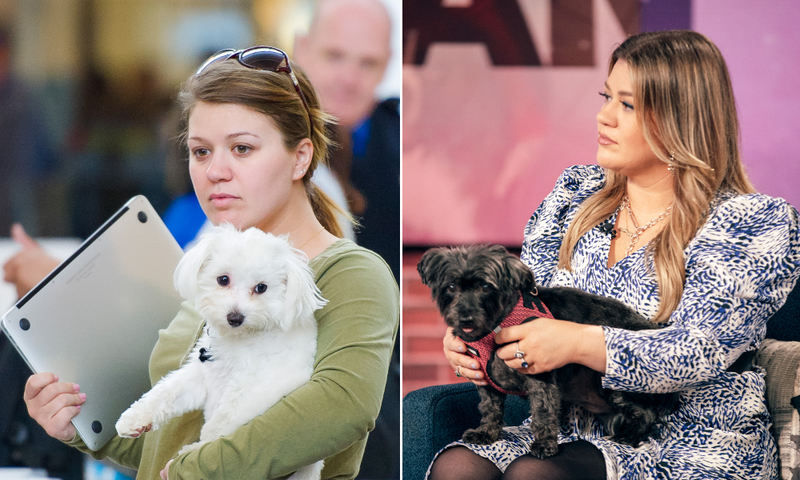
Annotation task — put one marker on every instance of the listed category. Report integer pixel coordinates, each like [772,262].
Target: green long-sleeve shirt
[327,418]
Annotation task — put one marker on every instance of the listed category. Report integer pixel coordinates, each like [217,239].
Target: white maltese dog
[257,296]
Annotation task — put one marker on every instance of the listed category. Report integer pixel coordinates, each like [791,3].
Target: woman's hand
[28,266]
[547,344]
[53,404]
[463,364]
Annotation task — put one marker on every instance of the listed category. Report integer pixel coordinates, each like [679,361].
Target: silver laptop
[95,319]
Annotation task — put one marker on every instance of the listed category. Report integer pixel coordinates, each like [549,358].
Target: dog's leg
[240,403]
[491,407]
[309,472]
[179,392]
[545,401]
[217,423]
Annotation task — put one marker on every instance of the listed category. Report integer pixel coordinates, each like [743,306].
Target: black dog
[477,287]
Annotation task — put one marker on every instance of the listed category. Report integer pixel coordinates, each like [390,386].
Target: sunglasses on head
[270,59]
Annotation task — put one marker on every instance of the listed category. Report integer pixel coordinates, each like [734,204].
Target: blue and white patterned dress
[739,269]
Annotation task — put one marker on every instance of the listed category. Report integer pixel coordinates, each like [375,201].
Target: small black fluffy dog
[476,287]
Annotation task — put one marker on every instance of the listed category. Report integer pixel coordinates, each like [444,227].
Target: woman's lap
[574,460]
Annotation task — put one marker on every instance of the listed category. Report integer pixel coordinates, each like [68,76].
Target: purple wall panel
[761,43]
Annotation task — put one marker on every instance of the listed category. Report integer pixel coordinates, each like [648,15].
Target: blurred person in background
[26,153]
[26,157]
[345,54]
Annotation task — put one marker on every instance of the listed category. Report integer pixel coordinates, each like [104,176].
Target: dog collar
[529,307]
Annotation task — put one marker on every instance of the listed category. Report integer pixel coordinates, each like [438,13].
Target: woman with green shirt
[255,133]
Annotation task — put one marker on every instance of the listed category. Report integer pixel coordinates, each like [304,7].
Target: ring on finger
[458,371]
[521,355]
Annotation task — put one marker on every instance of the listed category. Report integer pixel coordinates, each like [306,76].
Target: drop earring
[671,165]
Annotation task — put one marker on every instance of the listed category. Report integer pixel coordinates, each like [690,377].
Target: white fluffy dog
[258,297]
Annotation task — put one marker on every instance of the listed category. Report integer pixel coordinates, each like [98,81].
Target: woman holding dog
[255,135]
[669,224]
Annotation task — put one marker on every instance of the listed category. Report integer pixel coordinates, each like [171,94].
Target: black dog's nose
[235,319]
[467,321]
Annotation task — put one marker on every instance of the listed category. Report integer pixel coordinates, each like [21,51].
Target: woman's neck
[298,221]
[652,199]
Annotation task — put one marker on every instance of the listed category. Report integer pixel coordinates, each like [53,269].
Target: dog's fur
[258,344]
[476,287]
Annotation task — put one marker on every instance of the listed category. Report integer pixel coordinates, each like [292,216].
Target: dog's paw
[544,449]
[133,423]
[190,448]
[479,437]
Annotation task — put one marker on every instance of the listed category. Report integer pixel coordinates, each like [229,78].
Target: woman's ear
[303,154]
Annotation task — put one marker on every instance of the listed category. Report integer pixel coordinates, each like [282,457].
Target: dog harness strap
[529,307]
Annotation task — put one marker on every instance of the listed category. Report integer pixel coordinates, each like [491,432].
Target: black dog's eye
[223,280]
[451,288]
[486,287]
[260,288]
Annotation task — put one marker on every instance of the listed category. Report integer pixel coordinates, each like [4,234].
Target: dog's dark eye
[485,287]
[451,288]
[223,280]
[260,288]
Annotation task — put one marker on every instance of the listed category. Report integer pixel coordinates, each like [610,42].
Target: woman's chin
[607,163]
[231,219]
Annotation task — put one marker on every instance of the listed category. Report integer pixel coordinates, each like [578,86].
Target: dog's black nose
[235,319]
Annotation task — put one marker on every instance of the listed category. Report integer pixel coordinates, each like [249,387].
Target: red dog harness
[528,308]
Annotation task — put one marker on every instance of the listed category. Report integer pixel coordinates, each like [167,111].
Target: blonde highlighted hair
[685,106]
[274,95]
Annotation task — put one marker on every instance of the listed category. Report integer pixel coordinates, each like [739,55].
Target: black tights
[574,461]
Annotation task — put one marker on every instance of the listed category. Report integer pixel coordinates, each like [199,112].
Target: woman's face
[241,172]
[622,146]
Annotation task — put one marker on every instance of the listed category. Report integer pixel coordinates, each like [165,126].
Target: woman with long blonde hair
[668,223]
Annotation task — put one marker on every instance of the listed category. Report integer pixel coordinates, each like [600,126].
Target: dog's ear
[431,264]
[519,275]
[302,295]
[188,269]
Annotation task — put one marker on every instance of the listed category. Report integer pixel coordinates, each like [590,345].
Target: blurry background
[499,96]
[87,120]
[101,78]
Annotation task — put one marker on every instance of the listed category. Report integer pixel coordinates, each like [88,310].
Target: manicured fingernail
[76,387]
[478,375]
[82,396]
[55,377]
[78,408]
[473,366]
[460,349]
[482,383]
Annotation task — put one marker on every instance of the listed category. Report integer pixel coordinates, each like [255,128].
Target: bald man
[345,54]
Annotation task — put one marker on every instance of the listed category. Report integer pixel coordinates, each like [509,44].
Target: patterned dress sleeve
[548,224]
[739,270]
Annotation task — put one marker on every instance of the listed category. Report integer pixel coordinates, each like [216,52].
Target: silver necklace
[638,231]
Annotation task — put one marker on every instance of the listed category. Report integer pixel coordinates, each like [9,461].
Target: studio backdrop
[499,96]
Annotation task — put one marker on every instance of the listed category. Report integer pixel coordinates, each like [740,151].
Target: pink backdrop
[483,144]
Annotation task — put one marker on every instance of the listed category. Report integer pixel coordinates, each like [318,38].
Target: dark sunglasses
[270,59]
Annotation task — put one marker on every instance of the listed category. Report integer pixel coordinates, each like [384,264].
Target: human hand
[462,363]
[548,344]
[28,266]
[53,404]
[165,473]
